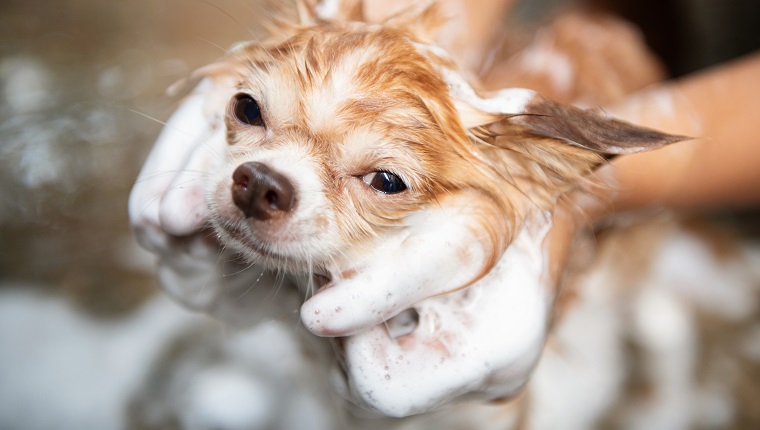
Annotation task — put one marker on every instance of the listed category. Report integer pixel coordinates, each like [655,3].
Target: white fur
[480,342]
[471,106]
[308,233]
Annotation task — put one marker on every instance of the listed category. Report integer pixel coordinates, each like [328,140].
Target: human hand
[169,216]
[507,362]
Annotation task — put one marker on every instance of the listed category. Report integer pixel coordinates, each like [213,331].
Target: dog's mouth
[254,244]
[321,273]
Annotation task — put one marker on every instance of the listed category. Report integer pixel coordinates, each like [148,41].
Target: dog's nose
[260,192]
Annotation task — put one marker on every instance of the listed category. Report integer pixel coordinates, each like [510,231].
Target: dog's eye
[385,182]
[247,111]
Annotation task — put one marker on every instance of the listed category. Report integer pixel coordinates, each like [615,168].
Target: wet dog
[360,157]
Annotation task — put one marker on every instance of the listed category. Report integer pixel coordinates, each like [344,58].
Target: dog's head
[362,152]
[339,131]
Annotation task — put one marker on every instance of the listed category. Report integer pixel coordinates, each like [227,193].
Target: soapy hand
[166,208]
[438,252]
[483,339]
[169,218]
[480,342]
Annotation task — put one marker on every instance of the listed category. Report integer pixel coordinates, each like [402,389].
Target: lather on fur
[325,114]
[341,100]
[328,112]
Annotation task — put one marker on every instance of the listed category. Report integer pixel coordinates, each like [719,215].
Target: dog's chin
[292,258]
[255,249]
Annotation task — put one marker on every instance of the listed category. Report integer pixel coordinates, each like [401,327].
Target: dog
[413,206]
[347,140]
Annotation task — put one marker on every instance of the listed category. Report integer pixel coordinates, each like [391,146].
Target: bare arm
[721,167]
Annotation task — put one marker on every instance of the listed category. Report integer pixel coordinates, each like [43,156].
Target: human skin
[469,30]
[717,169]
[720,167]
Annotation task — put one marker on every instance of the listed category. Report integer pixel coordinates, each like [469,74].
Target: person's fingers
[480,341]
[182,209]
[169,155]
[438,253]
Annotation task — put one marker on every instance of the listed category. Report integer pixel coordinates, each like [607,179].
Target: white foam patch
[453,352]
[686,264]
[27,85]
[507,101]
[661,320]
[664,327]
[327,9]
[582,369]
[60,369]
[227,398]
[439,237]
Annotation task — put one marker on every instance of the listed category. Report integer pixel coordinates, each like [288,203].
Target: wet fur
[346,98]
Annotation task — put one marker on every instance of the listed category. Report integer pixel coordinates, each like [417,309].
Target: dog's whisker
[214,44]
[154,119]
[166,124]
[239,271]
[231,17]
[192,137]
[253,284]
[158,174]
[348,145]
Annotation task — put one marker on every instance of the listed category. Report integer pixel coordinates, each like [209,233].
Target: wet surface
[81,99]
[82,96]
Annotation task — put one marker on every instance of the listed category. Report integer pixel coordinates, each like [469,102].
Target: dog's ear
[588,129]
[523,114]
[312,11]
[534,140]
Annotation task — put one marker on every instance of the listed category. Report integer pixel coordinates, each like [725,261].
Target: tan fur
[358,97]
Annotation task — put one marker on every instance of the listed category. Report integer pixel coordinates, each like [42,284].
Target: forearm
[720,107]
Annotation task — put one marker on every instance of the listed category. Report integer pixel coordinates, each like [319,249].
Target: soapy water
[82,99]
[83,329]
[76,135]
[83,319]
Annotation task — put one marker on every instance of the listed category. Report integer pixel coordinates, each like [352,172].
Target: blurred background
[81,100]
